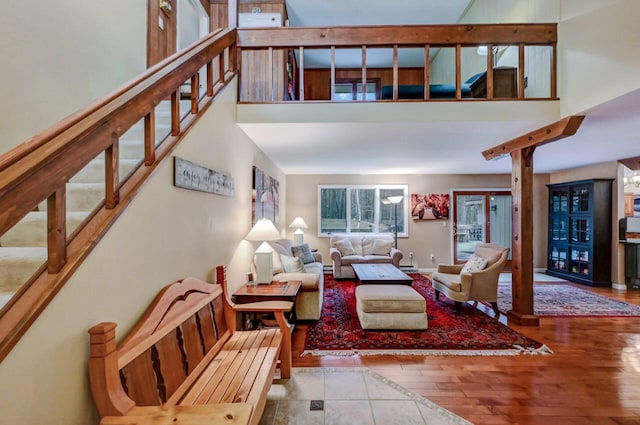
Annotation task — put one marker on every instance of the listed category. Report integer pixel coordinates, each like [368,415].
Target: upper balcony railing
[395,63]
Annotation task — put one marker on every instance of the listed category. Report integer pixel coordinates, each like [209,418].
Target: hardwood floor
[593,377]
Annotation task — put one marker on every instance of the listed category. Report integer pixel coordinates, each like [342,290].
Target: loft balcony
[440,63]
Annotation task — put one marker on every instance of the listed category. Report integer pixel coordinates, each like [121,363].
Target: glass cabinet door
[580,262]
[558,258]
[580,199]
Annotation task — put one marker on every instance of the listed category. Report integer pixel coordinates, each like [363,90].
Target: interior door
[479,217]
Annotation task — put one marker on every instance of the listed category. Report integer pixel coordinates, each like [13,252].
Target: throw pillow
[292,264]
[382,247]
[474,264]
[303,252]
[344,246]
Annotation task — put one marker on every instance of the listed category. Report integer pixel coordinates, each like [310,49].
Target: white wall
[598,41]
[58,56]
[164,235]
[426,236]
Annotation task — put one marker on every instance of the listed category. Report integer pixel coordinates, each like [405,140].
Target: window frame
[376,213]
[354,88]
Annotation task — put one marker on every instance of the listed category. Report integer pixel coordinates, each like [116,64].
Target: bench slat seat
[185,351]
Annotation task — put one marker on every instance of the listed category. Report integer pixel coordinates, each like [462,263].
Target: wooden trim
[560,129]
[301,71]
[631,163]
[441,35]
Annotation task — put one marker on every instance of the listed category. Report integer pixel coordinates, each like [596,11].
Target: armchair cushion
[303,252]
[475,263]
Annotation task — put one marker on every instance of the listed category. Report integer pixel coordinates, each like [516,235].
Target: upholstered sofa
[354,248]
[309,300]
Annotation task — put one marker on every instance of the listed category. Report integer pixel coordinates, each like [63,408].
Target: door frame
[487,222]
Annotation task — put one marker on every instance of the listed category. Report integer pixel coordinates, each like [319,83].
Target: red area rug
[470,333]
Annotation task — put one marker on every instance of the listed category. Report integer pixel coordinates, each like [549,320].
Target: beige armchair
[477,286]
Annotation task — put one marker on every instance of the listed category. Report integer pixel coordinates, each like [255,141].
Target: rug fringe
[516,351]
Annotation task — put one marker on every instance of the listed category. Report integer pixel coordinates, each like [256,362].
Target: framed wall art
[266,196]
[188,175]
[430,207]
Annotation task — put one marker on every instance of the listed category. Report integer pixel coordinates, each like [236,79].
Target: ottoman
[390,307]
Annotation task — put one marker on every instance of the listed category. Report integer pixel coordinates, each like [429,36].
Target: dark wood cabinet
[579,247]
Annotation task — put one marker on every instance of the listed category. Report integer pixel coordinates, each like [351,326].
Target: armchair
[481,285]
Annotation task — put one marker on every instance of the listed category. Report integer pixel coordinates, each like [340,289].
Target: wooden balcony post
[395,72]
[522,224]
[175,113]
[210,77]
[56,230]
[364,72]
[490,62]
[195,92]
[301,72]
[221,67]
[150,138]
[554,71]
[426,71]
[333,72]
[521,71]
[458,71]
[111,172]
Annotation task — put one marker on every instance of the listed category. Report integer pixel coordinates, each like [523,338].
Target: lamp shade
[299,223]
[263,230]
[395,199]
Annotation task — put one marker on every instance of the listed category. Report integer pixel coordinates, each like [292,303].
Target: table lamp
[263,230]
[298,235]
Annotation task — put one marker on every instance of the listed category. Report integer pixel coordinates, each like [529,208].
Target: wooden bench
[185,355]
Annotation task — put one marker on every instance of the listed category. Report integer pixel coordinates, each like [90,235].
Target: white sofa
[309,300]
[366,248]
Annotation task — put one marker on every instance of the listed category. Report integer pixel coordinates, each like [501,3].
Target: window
[360,209]
[352,90]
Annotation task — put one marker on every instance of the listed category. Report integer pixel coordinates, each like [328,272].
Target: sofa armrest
[450,268]
[317,256]
[336,257]
[396,255]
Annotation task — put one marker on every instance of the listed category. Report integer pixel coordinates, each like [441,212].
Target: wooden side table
[275,291]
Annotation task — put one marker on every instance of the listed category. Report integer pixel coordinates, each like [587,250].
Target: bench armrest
[264,307]
[240,413]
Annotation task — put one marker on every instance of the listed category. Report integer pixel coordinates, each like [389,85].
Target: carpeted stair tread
[17,264]
[94,171]
[31,231]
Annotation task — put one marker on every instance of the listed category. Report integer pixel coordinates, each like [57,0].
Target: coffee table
[384,273]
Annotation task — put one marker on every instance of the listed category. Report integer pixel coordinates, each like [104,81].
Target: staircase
[23,249]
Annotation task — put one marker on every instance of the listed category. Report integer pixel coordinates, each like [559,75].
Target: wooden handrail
[387,36]
[39,168]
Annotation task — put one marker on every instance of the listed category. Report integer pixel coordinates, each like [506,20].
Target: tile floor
[351,396]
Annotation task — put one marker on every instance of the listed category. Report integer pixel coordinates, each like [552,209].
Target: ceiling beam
[550,133]
[631,163]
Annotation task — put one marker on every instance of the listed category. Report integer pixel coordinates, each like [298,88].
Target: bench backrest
[161,357]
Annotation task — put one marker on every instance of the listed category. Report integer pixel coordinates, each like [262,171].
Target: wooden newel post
[522,243]
[104,372]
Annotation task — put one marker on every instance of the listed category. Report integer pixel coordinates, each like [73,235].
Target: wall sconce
[165,6]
